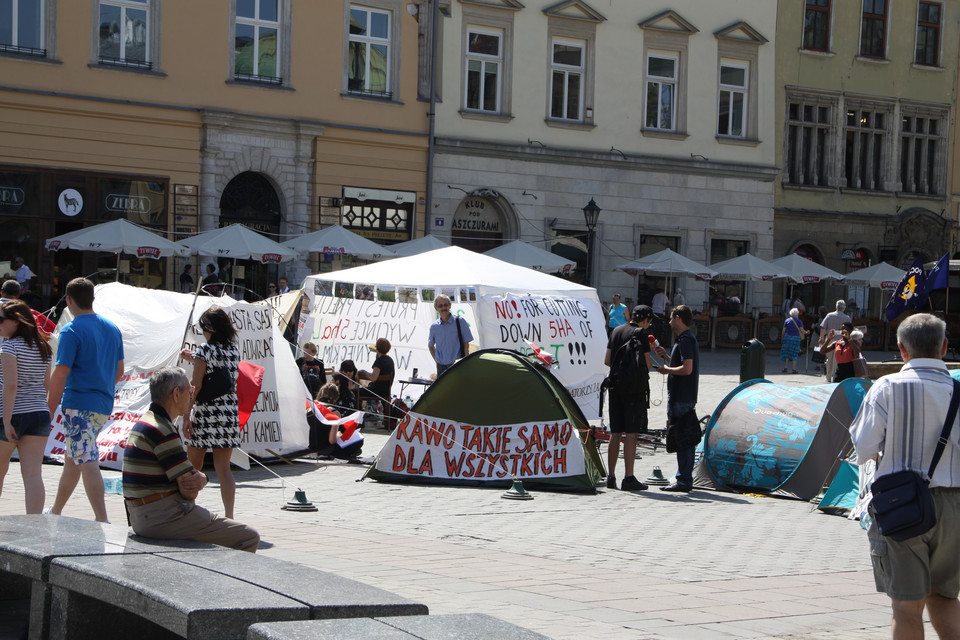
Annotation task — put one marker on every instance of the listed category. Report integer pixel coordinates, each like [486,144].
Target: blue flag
[938,278]
[908,291]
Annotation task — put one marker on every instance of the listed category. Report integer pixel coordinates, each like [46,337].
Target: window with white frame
[922,150]
[873,29]
[661,91]
[257,36]
[369,51]
[732,109]
[929,16]
[566,79]
[484,59]
[22,27]
[124,33]
[866,147]
[807,152]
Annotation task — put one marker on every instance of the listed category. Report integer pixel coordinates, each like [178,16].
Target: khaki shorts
[911,569]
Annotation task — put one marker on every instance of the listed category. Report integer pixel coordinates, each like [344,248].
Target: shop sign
[12,196]
[121,203]
[70,202]
[477,214]
[270,257]
[148,252]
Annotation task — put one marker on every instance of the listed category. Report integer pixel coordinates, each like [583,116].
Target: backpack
[628,367]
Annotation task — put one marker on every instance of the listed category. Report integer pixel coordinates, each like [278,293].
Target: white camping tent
[505,306]
[153,323]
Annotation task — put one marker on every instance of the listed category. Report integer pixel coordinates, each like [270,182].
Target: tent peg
[516,492]
[299,502]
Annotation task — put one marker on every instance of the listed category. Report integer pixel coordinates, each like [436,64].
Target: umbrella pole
[186,329]
[117,275]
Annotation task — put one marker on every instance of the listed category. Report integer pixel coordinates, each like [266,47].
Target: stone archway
[483,220]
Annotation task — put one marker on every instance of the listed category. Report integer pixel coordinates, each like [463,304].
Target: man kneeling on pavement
[159,483]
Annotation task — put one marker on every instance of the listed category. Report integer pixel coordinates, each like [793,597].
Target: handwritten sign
[429,447]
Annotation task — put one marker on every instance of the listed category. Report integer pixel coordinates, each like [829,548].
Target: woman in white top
[25,359]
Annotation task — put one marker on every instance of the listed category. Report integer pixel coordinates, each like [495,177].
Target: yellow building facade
[189,116]
[866,100]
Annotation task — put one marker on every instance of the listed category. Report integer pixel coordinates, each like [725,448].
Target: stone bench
[471,626]
[87,579]
[209,595]
[29,544]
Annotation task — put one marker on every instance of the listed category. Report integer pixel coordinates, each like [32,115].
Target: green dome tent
[493,417]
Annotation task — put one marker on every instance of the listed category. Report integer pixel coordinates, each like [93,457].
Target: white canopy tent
[420,245]
[526,255]
[505,306]
[238,242]
[879,276]
[337,240]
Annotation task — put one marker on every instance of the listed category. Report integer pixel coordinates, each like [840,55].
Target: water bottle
[407,400]
[113,485]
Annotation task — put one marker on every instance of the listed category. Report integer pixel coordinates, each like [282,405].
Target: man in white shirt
[900,420]
[23,273]
[284,287]
[832,321]
[659,303]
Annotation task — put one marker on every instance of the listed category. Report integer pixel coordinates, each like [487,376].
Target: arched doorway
[482,221]
[250,199]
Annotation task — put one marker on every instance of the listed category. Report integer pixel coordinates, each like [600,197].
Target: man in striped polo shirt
[159,483]
[900,420]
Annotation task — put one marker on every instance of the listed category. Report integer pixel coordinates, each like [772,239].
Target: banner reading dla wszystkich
[427,447]
[571,330]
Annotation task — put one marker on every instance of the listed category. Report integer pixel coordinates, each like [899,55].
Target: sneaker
[677,488]
[611,481]
[630,483]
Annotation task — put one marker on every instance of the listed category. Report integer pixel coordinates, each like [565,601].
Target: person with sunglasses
[25,360]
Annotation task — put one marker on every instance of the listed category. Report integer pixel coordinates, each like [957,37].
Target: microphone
[653,340]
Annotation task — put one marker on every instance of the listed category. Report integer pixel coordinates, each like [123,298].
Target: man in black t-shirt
[628,407]
[682,387]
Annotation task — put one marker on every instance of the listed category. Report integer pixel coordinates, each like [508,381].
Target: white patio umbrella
[418,246]
[803,271]
[526,255]
[240,243]
[748,267]
[667,262]
[337,240]
[880,276]
[117,236]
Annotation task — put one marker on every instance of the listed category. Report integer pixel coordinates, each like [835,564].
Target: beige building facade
[188,116]
[663,116]
[864,110]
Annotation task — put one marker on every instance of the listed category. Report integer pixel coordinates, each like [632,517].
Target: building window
[922,146]
[661,92]
[383,221]
[865,148]
[873,29]
[566,80]
[928,33]
[816,25]
[257,41]
[124,34]
[368,67]
[733,106]
[21,27]
[484,59]
[807,144]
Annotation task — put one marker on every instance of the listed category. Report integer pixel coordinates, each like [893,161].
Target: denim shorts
[33,423]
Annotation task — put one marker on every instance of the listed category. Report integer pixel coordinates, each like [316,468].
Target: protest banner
[434,448]
[152,323]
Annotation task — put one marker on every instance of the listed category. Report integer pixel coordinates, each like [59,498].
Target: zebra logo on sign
[70,202]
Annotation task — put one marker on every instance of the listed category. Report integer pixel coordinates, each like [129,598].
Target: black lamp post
[591,213]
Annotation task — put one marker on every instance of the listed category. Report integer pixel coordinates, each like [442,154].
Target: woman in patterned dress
[215,423]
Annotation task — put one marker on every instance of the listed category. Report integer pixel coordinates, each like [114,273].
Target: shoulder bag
[683,432]
[461,353]
[901,504]
[217,382]
[860,368]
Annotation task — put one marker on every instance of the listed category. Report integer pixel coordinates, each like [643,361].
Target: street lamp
[591,213]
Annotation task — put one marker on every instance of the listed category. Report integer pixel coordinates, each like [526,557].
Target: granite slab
[468,626]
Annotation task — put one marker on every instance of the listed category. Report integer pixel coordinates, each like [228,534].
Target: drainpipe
[434,28]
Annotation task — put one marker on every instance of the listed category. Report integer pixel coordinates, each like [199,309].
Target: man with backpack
[628,356]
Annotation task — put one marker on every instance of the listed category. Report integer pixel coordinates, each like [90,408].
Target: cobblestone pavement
[613,565]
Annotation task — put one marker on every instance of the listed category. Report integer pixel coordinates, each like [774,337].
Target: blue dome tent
[779,440]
